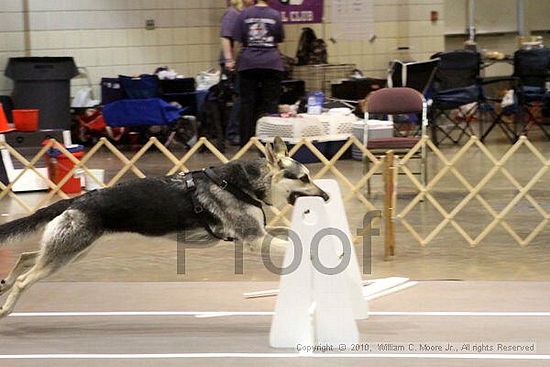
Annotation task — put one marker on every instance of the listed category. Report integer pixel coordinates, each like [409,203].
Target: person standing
[259,30]
[227,64]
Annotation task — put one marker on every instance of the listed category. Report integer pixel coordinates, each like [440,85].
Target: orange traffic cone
[4,127]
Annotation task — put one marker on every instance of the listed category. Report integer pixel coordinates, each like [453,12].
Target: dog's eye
[289,175]
[304,179]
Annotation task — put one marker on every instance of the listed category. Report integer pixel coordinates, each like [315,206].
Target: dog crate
[289,128]
[320,77]
[318,129]
[337,122]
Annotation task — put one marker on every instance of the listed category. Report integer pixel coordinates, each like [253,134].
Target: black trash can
[44,83]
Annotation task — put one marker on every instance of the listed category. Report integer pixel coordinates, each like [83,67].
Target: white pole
[471,20]
[521,17]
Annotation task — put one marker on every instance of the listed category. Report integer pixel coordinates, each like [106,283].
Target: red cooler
[59,165]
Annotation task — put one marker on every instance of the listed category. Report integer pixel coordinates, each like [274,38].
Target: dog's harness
[191,187]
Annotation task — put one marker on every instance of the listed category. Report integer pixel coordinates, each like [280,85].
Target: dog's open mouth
[294,195]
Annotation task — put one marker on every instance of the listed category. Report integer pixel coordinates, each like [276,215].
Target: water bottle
[315,103]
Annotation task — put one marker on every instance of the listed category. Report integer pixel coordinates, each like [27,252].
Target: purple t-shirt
[229,20]
[259,29]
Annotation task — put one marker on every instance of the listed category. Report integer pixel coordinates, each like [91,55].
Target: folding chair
[456,85]
[532,71]
[393,101]
[417,75]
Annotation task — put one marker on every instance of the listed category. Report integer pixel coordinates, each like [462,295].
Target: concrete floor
[131,271]
[448,256]
[88,340]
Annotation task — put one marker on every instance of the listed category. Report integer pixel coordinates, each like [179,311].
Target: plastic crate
[377,130]
[335,124]
[291,128]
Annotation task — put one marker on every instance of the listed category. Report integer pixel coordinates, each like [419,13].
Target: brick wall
[108,37]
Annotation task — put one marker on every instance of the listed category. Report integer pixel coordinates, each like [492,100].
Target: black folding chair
[417,75]
[456,84]
[532,70]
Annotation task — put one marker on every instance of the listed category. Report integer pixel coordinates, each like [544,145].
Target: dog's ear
[270,155]
[280,148]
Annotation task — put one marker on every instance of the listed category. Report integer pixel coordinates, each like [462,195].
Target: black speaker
[292,91]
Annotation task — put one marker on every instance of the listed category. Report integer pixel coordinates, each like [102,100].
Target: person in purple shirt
[227,64]
[259,29]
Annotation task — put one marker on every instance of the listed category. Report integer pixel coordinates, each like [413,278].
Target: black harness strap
[191,187]
[235,190]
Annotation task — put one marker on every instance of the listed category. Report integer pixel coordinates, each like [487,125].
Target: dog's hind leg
[65,237]
[23,282]
[25,262]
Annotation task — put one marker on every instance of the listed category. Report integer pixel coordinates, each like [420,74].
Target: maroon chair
[398,101]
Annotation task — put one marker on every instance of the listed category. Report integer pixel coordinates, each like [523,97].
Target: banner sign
[299,11]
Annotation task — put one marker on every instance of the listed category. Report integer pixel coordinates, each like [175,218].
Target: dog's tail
[26,226]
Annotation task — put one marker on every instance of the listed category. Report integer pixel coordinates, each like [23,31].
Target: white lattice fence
[499,217]
[352,190]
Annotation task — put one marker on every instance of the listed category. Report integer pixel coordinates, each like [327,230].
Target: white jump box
[312,307]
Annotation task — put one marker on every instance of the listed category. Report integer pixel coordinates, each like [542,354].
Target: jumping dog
[224,202]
